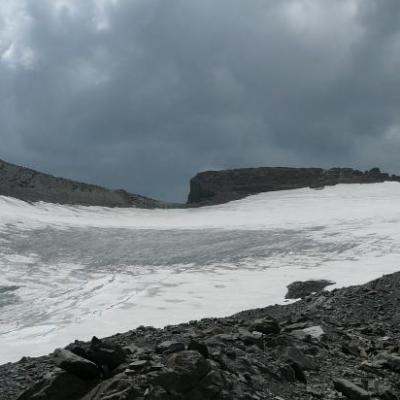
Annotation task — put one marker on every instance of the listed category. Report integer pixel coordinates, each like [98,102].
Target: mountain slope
[30,185]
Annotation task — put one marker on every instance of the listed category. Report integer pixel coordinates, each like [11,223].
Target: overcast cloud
[142,94]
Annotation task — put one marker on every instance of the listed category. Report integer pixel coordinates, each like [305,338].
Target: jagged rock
[313,331]
[350,390]
[58,385]
[29,185]
[184,371]
[212,384]
[169,347]
[249,338]
[76,365]
[287,373]
[138,364]
[297,290]
[266,325]
[297,356]
[99,352]
[387,394]
[198,346]
[132,349]
[391,361]
[120,387]
[298,371]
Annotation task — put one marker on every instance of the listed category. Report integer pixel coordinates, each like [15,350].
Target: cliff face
[212,187]
[29,185]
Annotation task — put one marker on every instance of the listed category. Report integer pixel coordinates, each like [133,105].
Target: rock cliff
[213,187]
[29,185]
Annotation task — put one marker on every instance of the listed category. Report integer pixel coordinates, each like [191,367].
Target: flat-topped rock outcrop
[214,187]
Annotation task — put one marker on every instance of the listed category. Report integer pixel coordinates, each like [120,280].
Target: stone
[184,371]
[120,387]
[58,385]
[76,365]
[298,372]
[391,361]
[100,352]
[169,347]
[212,384]
[199,346]
[287,373]
[294,355]
[350,390]
[312,331]
[138,364]
[266,325]
[297,290]
[250,338]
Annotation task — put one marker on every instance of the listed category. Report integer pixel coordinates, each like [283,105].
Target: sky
[143,94]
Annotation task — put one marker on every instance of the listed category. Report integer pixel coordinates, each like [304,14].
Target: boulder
[350,390]
[169,347]
[76,365]
[294,355]
[100,352]
[58,385]
[266,325]
[120,387]
[298,289]
[198,346]
[184,371]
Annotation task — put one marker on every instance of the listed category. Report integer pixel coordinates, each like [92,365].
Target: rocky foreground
[330,345]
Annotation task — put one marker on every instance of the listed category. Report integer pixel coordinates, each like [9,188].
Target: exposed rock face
[221,186]
[29,185]
[342,344]
[298,289]
[206,188]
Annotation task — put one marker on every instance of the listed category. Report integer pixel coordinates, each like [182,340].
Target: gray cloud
[142,94]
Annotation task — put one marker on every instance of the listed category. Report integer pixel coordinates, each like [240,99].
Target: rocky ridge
[215,187]
[32,186]
[206,188]
[340,344]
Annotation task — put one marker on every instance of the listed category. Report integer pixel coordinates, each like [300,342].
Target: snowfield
[72,272]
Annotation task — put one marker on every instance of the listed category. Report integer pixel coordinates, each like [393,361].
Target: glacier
[72,272]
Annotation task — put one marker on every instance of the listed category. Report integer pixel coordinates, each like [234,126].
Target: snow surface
[72,272]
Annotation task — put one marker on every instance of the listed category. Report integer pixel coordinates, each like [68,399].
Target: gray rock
[29,185]
[266,325]
[100,352]
[297,290]
[76,365]
[212,187]
[350,390]
[198,346]
[184,371]
[294,355]
[169,347]
[120,387]
[58,385]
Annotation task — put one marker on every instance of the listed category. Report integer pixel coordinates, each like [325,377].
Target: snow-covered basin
[70,272]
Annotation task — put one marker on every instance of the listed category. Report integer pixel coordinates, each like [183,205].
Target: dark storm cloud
[142,94]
